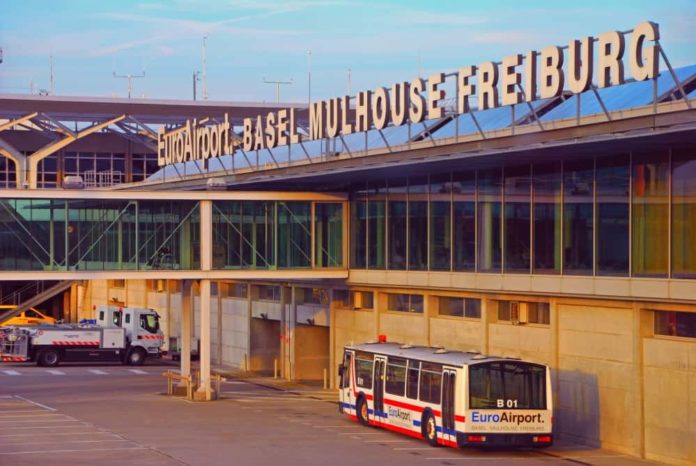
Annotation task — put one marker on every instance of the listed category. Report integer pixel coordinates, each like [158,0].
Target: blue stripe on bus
[417,423]
[347,405]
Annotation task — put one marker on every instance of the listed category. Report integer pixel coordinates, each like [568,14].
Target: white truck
[127,335]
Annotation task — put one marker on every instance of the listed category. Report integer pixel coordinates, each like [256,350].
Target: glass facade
[111,234]
[615,215]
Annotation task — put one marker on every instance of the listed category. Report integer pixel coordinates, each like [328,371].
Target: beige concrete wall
[669,379]
[531,342]
[235,331]
[597,399]
[404,327]
[265,345]
[456,333]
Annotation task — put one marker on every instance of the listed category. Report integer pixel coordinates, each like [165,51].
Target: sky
[249,41]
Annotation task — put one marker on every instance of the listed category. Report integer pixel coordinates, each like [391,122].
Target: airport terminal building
[522,217]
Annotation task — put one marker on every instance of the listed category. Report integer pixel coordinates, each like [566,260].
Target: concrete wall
[265,345]
[235,331]
[669,379]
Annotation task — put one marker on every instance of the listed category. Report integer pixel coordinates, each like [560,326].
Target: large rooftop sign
[538,74]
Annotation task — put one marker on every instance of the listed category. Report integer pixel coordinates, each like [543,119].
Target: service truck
[122,334]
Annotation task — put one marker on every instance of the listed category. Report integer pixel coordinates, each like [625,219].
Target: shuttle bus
[450,398]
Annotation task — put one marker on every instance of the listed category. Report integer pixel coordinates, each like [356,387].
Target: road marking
[41,414]
[11,372]
[137,371]
[33,452]
[55,372]
[54,434]
[12,429]
[363,433]
[98,372]
[35,403]
[45,422]
[71,441]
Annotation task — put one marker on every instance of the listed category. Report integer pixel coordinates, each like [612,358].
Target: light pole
[277,85]
[309,77]
[205,69]
[130,77]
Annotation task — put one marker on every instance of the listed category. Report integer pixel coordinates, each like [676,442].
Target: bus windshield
[507,385]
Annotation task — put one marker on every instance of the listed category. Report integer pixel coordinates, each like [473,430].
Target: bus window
[396,376]
[509,385]
[345,374]
[412,379]
[430,383]
[363,370]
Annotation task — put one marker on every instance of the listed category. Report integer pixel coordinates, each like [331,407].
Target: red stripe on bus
[448,443]
[401,404]
[400,430]
[459,418]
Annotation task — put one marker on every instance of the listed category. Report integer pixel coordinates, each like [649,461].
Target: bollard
[246,363]
[275,368]
[326,380]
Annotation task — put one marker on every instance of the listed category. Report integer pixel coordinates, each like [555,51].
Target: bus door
[448,407]
[378,405]
[345,374]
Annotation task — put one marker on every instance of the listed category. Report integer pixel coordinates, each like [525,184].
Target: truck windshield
[507,385]
[149,322]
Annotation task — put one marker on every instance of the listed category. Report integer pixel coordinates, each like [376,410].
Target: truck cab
[144,337]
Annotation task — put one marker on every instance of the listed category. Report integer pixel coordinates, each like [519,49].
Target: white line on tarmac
[72,441]
[42,414]
[12,428]
[54,434]
[35,403]
[362,433]
[11,372]
[33,452]
[97,371]
[55,372]
[28,421]
[137,371]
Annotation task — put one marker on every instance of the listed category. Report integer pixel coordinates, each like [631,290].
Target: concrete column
[206,235]
[186,328]
[218,357]
[204,390]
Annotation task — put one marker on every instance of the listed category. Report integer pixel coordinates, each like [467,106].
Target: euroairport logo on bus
[538,74]
[506,417]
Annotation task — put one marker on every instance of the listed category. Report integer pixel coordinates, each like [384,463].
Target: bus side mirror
[341,369]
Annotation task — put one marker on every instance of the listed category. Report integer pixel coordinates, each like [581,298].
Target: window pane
[395,383]
[517,218]
[650,214]
[547,218]
[440,222]
[397,224]
[489,206]
[612,215]
[451,306]
[363,371]
[678,324]
[376,234]
[358,234]
[683,214]
[328,234]
[430,383]
[412,381]
[518,382]
[418,223]
[464,222]
[472,308]
[577,222]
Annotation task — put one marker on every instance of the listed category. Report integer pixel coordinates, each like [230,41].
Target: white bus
[448,398]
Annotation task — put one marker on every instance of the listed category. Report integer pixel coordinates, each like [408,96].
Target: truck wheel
[362,411]
[429,428]
[136,357]
[49,358]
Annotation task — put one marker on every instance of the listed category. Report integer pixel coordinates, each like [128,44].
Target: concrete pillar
[204,390]
[218,357]
[206,235]
[185,349]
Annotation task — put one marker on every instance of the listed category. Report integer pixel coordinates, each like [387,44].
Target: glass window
[345,372]
[464,220]
[405,302]
[539,313]
[412,379]
[148,322]
[397,224]
[578,188]
[418,223]
[328,234]
[430,383]
[459,307]
[613,179]
[358,234]
[267,292]
[512,385]
[376,233]
[234,290]
[683,214]
[489,206]
[363,370]
[395,383]
[674,323]
[650,214]
[440,222]
[517,218]
[546,184]
[294,234]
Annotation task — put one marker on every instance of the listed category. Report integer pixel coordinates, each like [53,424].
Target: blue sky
[380,41]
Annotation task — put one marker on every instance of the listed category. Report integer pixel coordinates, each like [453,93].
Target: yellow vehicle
[29,317]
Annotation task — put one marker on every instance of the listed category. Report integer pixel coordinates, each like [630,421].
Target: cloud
[165,51]
[114,48]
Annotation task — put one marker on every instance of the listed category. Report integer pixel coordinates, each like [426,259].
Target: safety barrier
[192,383]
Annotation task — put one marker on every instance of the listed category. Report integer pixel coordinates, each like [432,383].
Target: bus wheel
[136,357]
[49,358]
[430,429]
[362,411]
